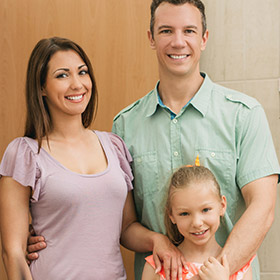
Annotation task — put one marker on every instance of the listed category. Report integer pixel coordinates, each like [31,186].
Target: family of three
[83,196]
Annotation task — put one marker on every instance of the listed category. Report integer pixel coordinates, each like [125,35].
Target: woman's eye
[62,75]
[83,72]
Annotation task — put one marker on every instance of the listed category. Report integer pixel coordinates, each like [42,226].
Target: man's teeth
[74,97]
[178,56]
[199,233]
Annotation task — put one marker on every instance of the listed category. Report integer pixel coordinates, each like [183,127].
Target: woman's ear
[43,91]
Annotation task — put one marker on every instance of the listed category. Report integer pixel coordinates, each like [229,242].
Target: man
[188,115]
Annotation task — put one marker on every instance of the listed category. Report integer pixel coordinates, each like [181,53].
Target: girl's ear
[172,219]
[224,205]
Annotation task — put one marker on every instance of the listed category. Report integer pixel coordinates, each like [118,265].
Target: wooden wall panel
[113,33]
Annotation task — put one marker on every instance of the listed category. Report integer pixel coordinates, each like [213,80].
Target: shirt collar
[154,102]
[200,101]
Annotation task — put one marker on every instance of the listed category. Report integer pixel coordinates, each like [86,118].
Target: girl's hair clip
[196,163]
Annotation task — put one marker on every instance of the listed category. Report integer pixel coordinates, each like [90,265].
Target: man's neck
[176,92]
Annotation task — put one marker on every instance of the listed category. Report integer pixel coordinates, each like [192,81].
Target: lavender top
[79,215]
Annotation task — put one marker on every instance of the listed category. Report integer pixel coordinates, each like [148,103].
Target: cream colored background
[242,53]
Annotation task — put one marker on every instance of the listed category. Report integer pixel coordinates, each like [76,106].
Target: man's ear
[204,40]
[151,39]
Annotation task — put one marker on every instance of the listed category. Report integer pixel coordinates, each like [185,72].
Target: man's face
[178,39]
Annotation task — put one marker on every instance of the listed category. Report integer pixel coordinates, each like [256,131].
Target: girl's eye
[184,214]
[205,210]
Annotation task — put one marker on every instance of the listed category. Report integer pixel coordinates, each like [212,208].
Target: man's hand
[173,260]
[35,244]
[212,269]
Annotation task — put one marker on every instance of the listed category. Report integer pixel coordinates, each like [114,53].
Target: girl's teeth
[198,233]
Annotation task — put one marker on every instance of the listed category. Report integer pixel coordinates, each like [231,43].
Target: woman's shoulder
[116,141]
[21,145]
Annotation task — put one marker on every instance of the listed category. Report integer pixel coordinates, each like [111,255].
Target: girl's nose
[197,221]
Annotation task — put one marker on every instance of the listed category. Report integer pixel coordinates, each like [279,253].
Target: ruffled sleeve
[188,272]
[239,275]
[19,162]
[124,157]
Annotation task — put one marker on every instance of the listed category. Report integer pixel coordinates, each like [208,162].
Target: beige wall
[243,53]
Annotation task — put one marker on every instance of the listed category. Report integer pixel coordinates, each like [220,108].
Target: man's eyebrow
[169,26]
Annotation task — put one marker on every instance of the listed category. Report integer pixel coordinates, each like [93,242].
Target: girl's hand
[212,269]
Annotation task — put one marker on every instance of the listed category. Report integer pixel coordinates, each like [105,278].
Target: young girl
[193,211]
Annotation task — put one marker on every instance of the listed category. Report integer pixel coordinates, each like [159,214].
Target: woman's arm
[136,237]
[14,221]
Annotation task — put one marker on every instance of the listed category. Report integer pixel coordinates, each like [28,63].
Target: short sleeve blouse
[79,215]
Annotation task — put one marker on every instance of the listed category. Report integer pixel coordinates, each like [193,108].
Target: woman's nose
[76,82]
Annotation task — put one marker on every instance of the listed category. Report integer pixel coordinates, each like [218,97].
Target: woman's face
[68,85]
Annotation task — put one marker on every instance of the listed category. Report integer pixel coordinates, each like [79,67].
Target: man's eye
[165,31]
[189,31]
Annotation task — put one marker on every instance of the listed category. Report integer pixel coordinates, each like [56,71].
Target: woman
[76,181]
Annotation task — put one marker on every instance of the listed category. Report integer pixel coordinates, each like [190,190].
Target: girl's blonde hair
[181,179]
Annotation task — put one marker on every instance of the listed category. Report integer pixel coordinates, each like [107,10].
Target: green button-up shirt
[227,129]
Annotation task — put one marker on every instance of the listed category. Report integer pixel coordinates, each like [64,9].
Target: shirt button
[175,121]
[213,154]
[176,154]
[139,160]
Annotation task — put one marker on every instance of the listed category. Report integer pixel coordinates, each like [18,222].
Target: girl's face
[68,84]
[196,210]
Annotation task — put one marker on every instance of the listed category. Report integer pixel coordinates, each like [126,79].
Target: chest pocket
[145,170]
[221,163]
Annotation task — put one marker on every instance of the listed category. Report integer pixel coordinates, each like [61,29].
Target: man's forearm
[249,232]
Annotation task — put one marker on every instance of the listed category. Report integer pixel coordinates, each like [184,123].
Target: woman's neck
[67,130]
